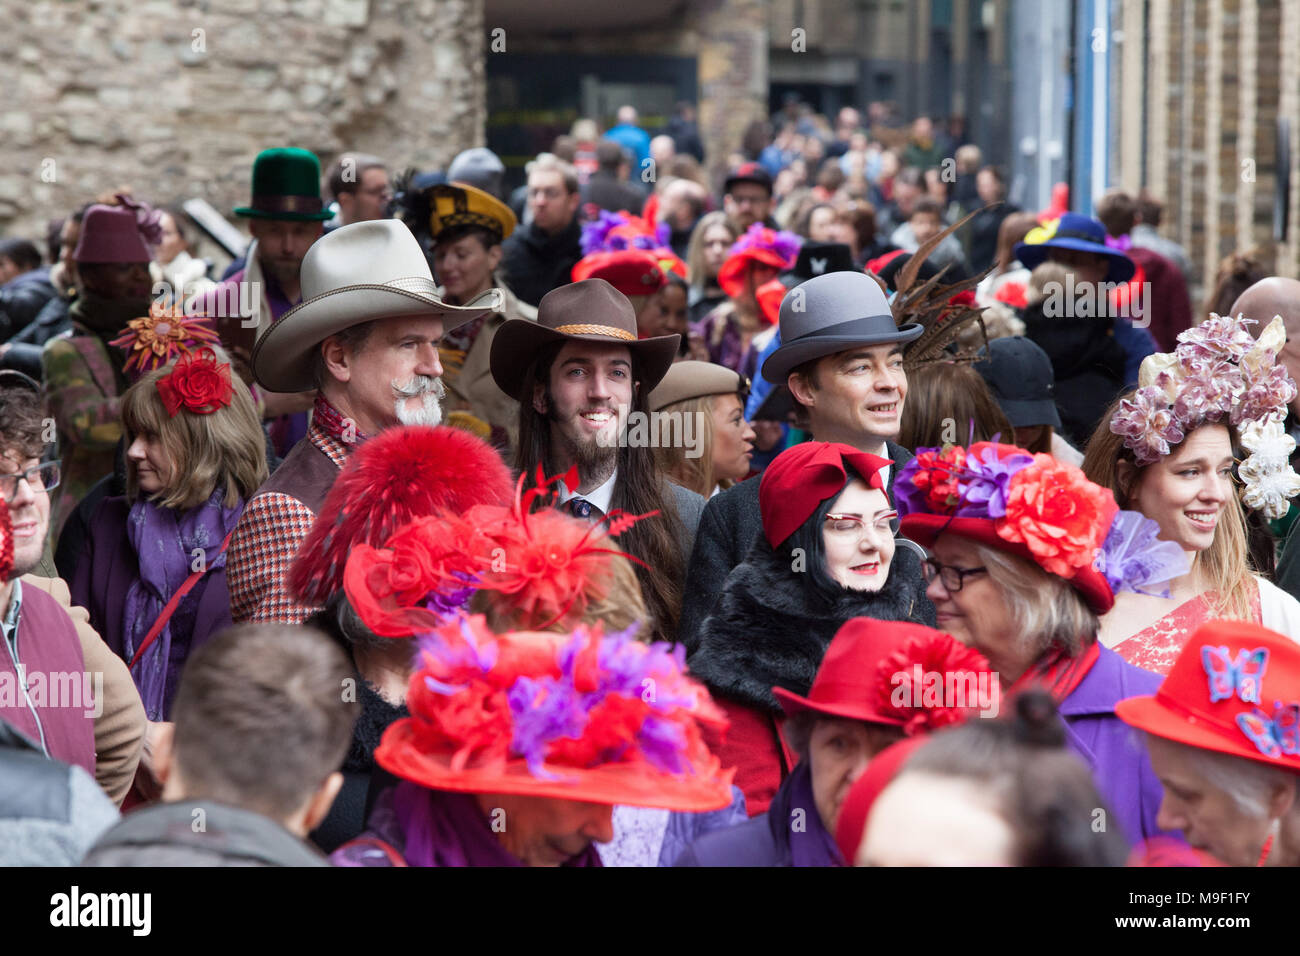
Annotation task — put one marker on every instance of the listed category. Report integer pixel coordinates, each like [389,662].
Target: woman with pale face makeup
[827,555]
[1016,542]
[1187,487]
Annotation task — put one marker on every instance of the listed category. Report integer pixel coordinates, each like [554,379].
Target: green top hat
[286,185]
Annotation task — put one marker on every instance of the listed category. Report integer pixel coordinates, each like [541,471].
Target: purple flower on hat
[1133,558]
[760,237]
[595,234]
[984,482]
[147,219]
[1146,423]
[1207,391]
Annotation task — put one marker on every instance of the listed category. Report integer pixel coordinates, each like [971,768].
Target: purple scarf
[811,844]
[165,541]
[448,829]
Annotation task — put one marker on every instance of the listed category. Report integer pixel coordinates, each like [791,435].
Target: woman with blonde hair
[699,408]
[707,251]
[153,574]
[1168,450]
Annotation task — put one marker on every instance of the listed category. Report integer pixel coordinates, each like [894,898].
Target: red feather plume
[399,475]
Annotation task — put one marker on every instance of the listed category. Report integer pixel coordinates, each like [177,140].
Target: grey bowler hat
[831,313]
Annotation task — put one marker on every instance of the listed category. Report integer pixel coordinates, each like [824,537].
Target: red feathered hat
[544,564]
[883,672]
[803,476]
[584,716]
[402,473]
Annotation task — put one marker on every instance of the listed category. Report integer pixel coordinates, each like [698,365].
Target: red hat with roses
[1037,508]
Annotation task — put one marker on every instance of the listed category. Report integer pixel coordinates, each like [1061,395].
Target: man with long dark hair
[581,375]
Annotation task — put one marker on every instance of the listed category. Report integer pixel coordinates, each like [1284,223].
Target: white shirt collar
[600,497]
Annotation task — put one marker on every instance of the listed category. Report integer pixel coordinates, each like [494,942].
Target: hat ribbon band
[287,204]
[1074,234]
[869,327]
[582,329]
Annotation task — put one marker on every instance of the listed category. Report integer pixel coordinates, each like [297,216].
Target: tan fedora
[355,274]
[588,311]
[686,380]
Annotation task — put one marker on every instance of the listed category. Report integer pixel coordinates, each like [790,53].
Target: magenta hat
[111,234]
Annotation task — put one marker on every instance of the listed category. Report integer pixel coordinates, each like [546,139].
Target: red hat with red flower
[884,672]
[1235,690]
[1037,508]
[587,717]
[769,247]
[803,476]
[402,473]
[543,563]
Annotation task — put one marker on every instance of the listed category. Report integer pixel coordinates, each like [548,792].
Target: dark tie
[580,507]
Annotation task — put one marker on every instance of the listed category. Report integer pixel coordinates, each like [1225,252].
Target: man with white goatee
[366,338]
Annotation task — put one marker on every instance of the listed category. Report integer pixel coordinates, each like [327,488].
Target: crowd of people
[848,515]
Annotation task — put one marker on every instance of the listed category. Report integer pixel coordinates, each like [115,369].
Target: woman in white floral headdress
[1167,450]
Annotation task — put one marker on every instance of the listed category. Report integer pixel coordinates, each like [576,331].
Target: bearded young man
[366,340]
[579,372]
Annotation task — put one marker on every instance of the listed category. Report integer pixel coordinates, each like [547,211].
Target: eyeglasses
[846,525]
[953,578]
[42,477]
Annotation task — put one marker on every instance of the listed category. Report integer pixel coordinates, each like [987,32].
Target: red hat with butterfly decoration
[1234,689]
[403,473]
[545,563]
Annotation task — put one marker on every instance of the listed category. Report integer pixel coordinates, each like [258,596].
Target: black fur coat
[770,627]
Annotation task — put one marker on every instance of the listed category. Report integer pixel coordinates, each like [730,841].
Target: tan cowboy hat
[355,274]
[588,311]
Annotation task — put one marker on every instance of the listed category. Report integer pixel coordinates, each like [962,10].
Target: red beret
[802,477]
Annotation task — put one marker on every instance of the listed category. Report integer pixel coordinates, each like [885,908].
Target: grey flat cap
[831,313]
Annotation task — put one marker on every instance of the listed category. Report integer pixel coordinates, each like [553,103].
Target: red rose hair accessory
[197,383]
[394,478]
[6,541]
[587,717]
[800,478]
[542,562]
[153,340]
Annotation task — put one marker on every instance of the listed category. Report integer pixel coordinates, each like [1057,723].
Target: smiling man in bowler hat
[578,373]
[841,355]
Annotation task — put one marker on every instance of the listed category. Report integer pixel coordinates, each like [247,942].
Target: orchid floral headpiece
[1219,372]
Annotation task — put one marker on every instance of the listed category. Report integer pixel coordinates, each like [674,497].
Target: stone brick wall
[176,97]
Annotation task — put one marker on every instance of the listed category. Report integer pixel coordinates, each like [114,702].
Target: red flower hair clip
[198,383]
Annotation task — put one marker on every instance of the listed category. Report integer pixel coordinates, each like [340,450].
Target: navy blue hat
[1019,374]
[1074,231]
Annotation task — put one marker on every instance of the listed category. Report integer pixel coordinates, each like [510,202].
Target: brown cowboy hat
[588,311]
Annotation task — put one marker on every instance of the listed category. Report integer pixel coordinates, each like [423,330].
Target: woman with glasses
[1026,554]
[153,574]
[827,554]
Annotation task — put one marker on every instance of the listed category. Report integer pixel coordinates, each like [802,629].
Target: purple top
[1113,750]
[790,833]
[433,828]
[728,350]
